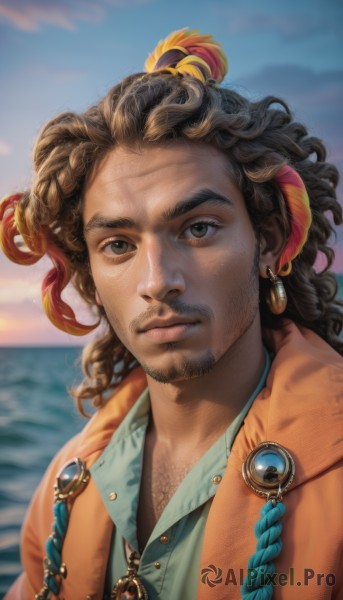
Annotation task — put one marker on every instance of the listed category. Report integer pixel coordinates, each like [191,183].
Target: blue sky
[59,55]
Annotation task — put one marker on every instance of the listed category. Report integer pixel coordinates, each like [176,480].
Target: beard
[188,369]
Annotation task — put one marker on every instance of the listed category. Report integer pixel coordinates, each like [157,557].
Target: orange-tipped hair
[294,192]
[187,52]
[58,311]
[13,224]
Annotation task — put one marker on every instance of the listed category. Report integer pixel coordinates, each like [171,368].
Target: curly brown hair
[257,137]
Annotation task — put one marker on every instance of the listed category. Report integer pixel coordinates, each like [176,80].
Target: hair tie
[187,52]
[294,192]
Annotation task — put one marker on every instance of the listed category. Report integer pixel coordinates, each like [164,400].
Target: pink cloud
[5,149]
[31,15]
[25,323]
[20,330]
[22,317]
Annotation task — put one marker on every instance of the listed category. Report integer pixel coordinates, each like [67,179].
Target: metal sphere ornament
[71,480]
[269,470]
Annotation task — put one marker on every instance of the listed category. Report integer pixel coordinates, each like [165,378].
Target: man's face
[173,256]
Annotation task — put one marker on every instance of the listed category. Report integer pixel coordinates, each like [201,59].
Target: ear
[98,299]
[272,241]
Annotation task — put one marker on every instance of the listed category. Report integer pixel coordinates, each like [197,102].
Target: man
[172,206]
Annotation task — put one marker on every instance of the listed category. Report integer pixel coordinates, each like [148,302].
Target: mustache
[196,312]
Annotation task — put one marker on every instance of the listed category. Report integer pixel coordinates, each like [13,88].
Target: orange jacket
[300,408]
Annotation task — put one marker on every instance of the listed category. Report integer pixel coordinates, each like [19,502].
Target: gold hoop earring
[276,297]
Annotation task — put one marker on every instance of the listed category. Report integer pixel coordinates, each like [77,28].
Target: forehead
[156,175]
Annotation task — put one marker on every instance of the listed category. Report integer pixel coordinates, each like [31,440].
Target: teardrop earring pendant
[276,296]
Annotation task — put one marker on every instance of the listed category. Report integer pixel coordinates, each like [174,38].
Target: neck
[194,413]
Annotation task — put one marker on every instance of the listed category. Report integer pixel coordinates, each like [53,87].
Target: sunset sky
[65,54]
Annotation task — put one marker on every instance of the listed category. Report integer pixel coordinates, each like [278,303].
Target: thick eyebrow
[181,208]
[100,222]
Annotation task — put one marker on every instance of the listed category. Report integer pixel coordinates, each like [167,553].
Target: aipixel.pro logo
[211,575]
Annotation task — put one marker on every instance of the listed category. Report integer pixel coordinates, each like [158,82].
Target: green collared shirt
[169,563]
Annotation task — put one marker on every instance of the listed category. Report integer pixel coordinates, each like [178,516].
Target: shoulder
[86,445]
[95,435]
[301,406]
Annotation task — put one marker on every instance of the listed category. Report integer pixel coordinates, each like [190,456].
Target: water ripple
[36,418]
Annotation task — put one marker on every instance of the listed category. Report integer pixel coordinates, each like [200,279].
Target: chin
[186,369]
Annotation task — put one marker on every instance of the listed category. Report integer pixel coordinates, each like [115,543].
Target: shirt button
[216,479]
[113,496]
[157,565]
[164,539]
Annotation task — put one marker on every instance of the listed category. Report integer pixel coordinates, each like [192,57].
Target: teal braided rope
[53,548]
[257,584]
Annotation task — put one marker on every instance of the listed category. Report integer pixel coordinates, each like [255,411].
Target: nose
[160,273]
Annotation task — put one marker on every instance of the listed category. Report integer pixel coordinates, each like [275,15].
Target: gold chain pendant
[129,587]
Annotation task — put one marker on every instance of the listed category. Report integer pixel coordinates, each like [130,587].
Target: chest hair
[161,476]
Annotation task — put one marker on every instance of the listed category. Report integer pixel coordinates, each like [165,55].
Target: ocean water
[36,417]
